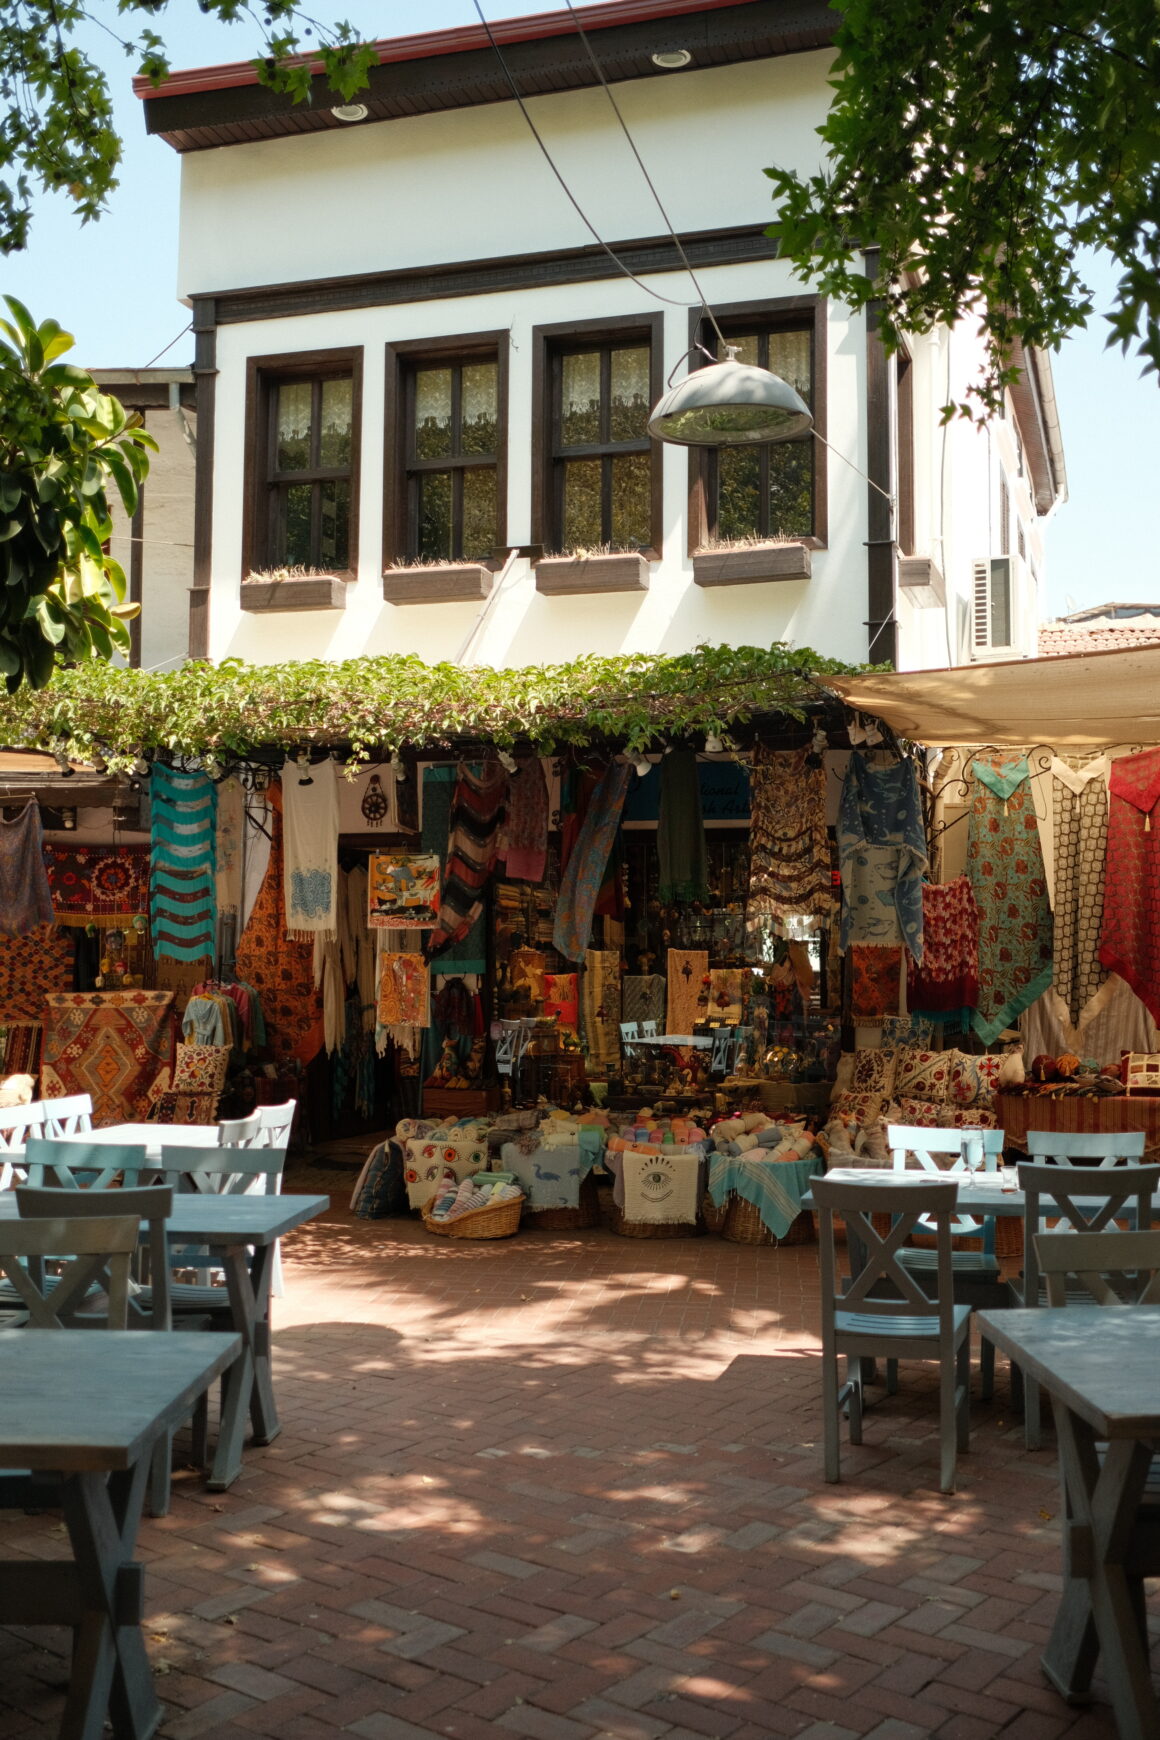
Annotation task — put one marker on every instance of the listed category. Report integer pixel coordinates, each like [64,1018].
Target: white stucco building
[419,373]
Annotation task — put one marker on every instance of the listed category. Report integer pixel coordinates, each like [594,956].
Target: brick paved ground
[569,1486]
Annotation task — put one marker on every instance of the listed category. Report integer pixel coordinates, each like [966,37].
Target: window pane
[747,347]
[738,492]
[478,513]
[432,413]
[294,543]
[334,436]
[293,419]
[789,357]
[630,394]
[479,408]
[582,529]
[435,516]
[791,489]
[631,502]
[580,399]
[334,531]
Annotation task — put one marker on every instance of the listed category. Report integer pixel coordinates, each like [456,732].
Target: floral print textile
[883,856]
[1080,802]
[875,981]
[1130,942]
[1005,869]
[789,866]
[946,986]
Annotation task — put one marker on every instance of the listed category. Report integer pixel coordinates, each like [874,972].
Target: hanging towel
[25,897]
[580,883]
[310,843]
[875,981]
[1079,793]
[525,834]
[661,1189]
[477,813]
[1130,941]
[643,998]
[789,866]
[469,955]
[1005,869]
[183,902]
[688,969]
[681,853]
[601,1008]
[883,856]
[946,986]
[231,801]
[404,991]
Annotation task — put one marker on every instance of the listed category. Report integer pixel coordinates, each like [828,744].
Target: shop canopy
[1091,699]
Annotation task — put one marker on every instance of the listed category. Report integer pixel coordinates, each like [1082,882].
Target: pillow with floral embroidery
[920,1114]
[964,1082]
[988,1068]
[923,1075]
[201,1068]
[854,1108]
[966,1118]
[873,1072]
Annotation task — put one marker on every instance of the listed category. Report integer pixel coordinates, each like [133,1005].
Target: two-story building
[431,325]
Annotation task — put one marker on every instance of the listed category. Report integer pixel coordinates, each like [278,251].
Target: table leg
[1099,1611]
[247,1387]
[110,1668]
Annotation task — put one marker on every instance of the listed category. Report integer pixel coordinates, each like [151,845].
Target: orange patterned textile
[281,971]
[29,967]
[114,1045]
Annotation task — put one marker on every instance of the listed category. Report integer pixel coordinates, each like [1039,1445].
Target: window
[778,490]
[446,434]
[597,476]
[302,503]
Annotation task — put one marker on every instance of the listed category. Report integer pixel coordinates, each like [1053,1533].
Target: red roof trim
[534,27]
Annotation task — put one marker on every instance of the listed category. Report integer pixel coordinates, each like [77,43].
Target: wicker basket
[496,1221]
[648,1229]
[713,1217]
[568,1219]
[744,1226]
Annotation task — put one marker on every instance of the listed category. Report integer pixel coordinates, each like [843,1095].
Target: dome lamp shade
[729,404]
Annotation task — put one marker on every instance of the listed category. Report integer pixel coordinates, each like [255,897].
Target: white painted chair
[275,1124]
[18,1125]
[72,1115]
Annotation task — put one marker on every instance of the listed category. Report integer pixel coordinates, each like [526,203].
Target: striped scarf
[478,805]
[183,902]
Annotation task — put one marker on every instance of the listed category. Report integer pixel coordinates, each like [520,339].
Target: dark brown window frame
[904,389]
[549,342]
[263,373]
[402,356]
[771,313]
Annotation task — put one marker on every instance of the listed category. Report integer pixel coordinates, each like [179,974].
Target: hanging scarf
[789,865]
[404,991]
[525,834]
[280,969]
[643,998]
[183,899]
[946,986]
[580,883]
[1005,870]
[602,1007]
[1130,941]
[231,802]
[477,812]
[875,981]
[681,854]
[25,897]
[882,853]
[470,954]
[310,837]
[688,971]
[1080,841]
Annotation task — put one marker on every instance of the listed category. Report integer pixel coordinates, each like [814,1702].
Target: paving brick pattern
[569,1486]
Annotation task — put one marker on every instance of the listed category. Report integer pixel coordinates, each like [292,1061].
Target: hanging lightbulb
[506,761]
[713,744]
[140,765]
[727,404]
[212,767]
[397,767]
[642,765]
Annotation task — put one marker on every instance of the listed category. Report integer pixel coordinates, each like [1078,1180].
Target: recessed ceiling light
[350,112]
[672,58]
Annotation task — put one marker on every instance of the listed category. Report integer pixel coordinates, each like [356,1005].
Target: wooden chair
[18,1124]
[96,1252]
[1052,1192]
[1090,1149]
[976,1272]
[239,1132]
[71,1115]
[214,1171]
[909,1324]
[1090,1258]
[86,1165]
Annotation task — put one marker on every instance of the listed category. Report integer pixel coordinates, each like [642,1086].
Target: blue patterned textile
[883,856]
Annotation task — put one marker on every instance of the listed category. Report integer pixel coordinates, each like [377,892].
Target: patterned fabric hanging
[183,902]
[789,869]
[1130,943]
[525,835]
[310,841]
[601,1007]
[101,885]
[584,871]
[1005,869]
[281,971]
[1080,802]
[883,856]
[643,998]
[477,813]
[946,986]
[25,899]
[688,990]
[875,981]
[231,819]
[469,954]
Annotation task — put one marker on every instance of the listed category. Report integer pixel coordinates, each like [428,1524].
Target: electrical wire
[571,197]
[616,109]
[188,327]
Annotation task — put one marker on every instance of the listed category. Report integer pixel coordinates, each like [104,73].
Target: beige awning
[1096,699]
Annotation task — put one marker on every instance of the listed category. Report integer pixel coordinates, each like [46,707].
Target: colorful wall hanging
[310,849]
[469,954]
[25,898]
[114,1045]
[883,856]
[478,806]
[404,991]
[31,966]
[789,846]
[402,890]
[1005,870]
[281,971]
[1079,794]
[584,871]
[101,885]
[561,999]
[688,989]
[525,833]
[183,901]
[875,980]
[946,986]
[1130,940]
[601,993]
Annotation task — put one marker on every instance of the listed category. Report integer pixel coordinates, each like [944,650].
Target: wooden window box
[751,564]
[318,592]
[439,584]
[558,576]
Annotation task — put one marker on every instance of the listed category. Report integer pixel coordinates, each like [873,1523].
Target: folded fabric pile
[456,1197]
[762,1138]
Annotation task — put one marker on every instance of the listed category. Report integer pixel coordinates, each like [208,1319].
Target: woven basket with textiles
[498,1220]
[568,1219]
[713,1217]
[651,1229]
[744,1226]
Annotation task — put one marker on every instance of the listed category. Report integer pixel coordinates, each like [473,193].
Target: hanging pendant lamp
[728,404]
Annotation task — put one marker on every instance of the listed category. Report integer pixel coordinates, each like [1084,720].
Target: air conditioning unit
[1001,607]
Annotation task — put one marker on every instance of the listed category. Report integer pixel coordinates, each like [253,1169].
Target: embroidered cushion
[966,1117]
[855,1108]
[873,1072]
[201,1068]
[922,1114]
[923,1075]
[988,1068]
[974,1080]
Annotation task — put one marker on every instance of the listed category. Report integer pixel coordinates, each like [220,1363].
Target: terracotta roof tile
[1057,639]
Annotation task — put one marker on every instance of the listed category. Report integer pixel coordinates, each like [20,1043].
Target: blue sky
[112,284]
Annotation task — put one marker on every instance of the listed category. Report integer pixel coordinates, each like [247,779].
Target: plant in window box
[743,561]
[593,568]
[439,580]
[293,588]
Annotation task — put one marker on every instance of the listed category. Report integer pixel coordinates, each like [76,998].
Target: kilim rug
[22,1048]
[111,1044]
[31,965]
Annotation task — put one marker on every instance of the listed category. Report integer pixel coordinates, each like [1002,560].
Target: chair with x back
[1077,1199]
[884,1311]
[976,1272]
[18,1125]
[1086,1148]
[214,1172]
[71,1115]
[92,1288]
[77,1165]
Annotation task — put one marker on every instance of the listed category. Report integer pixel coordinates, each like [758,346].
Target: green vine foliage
[64,445]
[380,705]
